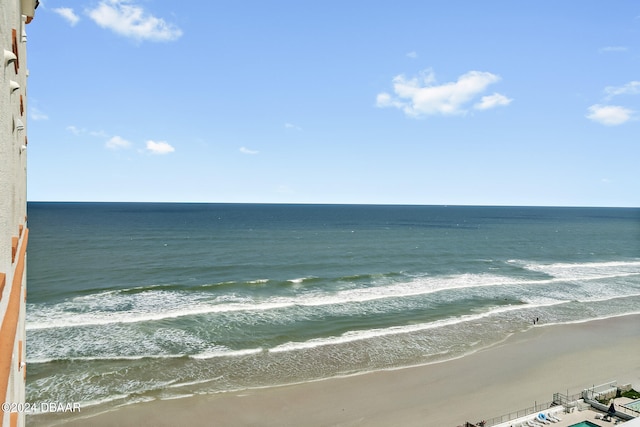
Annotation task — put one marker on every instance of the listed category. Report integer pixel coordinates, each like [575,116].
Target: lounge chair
[553,417]
[541,418]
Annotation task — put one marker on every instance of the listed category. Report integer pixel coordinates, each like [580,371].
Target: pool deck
[576,417]
[619,401]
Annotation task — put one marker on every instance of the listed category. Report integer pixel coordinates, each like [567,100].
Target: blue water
[584,424]
[635,405]
[130,302]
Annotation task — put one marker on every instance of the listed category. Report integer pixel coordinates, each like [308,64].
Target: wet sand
[526,369]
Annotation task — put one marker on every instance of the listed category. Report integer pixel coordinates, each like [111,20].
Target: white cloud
[613,49]
[292,126]
[98,133]
[83,131]
[385,100]
[129,20]
[37,114]
[492,101]
[609,115]
[631,88]
[245,150]
[74,130]
[412,54]
[160,147]
[420,96]
[68,14]
[116,143]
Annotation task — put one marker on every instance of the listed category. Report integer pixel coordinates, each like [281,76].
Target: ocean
[130,302]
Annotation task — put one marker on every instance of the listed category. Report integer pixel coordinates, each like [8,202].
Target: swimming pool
[635,405]
[584,424]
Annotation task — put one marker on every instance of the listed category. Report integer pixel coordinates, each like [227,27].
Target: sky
[403,102]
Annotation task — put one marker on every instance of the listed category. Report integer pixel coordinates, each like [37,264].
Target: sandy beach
[525,369]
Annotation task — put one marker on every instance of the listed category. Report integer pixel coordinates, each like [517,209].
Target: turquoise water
[635,405]
[130,302]
[584,424]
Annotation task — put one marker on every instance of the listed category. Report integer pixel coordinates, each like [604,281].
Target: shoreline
[525,368]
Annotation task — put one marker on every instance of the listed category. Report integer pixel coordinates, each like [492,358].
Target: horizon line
[334,204]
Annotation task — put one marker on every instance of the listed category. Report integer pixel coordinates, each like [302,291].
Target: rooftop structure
[585,408]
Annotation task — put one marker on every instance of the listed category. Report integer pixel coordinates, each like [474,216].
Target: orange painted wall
[10,321]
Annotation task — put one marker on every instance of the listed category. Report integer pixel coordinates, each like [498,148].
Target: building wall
[13,208]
